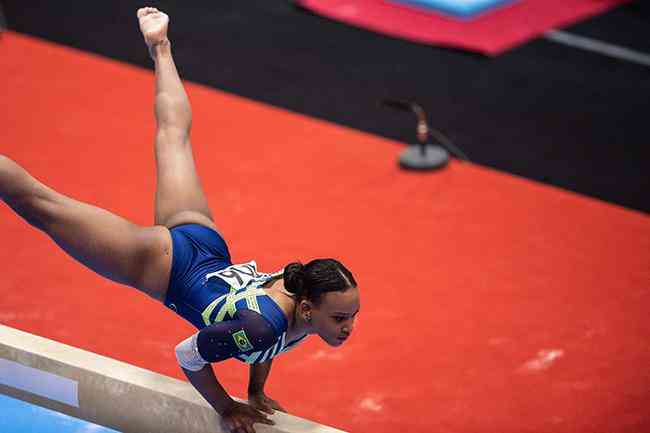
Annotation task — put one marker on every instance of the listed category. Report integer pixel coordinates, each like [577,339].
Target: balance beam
[112,393]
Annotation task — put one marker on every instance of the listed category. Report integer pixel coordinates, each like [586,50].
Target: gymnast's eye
[339,319]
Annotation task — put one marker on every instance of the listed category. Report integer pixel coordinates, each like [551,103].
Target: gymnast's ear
[305,309]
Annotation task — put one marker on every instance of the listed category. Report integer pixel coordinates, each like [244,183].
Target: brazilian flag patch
[241,340]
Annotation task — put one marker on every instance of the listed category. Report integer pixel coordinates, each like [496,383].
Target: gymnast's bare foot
[153,25]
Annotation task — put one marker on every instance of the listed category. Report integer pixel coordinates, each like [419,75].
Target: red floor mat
[489,303]
[490,33]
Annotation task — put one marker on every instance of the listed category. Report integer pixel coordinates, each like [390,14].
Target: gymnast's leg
[113,247]
[179,195]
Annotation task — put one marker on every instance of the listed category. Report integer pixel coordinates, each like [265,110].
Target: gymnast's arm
[256,395]
[208,386]
[257,377]
[216,343]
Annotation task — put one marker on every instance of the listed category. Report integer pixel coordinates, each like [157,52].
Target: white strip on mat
[599,47]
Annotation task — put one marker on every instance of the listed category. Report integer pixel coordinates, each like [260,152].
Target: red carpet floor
[489,303]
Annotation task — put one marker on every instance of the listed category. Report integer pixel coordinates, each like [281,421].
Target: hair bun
[294,278]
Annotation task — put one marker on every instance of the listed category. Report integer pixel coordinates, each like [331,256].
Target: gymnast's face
[334,318]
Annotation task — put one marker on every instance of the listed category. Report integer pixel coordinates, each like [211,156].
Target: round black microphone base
[427,157]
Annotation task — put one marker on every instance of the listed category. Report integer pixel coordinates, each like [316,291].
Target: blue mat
[17,416]
[457,8]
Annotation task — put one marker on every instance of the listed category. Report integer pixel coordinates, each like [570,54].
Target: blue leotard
[235,316]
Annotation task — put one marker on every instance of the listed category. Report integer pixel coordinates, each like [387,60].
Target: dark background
[555,114]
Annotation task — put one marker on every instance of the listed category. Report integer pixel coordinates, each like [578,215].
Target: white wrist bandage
[188,355]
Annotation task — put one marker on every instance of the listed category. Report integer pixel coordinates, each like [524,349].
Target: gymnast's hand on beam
[262,402]
[240,417]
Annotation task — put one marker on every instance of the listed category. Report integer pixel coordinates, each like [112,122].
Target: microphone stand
[424,155]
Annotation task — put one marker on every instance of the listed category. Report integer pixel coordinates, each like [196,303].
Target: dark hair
[319,276]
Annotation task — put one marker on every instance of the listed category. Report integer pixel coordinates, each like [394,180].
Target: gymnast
[184,262]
